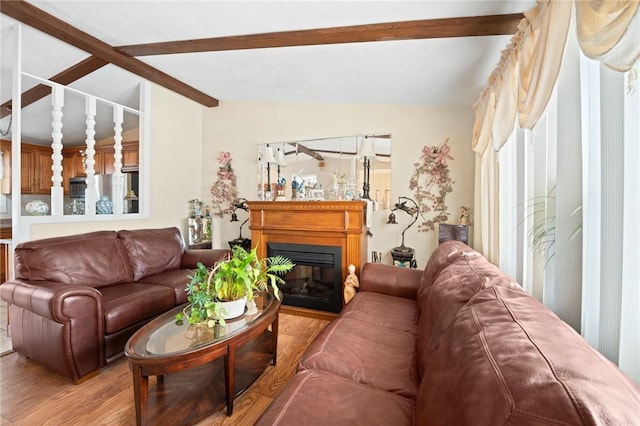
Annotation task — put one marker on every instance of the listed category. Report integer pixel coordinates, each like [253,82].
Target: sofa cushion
[390,280]
[152,251]
[127,304]
[366,353]
[319,398]
[176,280]
[95,259]
[398,313]
[507,359]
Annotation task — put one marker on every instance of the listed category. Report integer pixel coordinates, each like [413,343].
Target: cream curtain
[609,32]
[520,85]
[523,80]
[542,48]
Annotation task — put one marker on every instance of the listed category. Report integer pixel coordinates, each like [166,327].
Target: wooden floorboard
[32,395]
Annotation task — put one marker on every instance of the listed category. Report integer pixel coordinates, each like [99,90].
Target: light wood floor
[32,395]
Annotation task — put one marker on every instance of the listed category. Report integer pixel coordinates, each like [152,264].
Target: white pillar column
[91,195]
[57,192]
[117,183]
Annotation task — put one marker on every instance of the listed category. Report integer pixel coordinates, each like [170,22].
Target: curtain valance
[522,83]
[609,32]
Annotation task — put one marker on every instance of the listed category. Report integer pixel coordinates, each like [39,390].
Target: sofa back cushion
[96,259]
[444,255]
[451,289]
[152,251]
[507,359]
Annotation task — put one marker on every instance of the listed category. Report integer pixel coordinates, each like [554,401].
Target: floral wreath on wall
[431,183]
[224,191]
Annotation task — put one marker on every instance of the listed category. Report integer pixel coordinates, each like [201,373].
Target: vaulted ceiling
[415,52]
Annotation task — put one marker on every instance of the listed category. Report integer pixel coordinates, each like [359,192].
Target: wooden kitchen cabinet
[130,156]
[36,163]
[68,171]
[36,173]
[103,158]
[5,234]
[106,160]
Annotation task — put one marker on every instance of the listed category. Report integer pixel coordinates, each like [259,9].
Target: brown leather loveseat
[457,344]
[77,299]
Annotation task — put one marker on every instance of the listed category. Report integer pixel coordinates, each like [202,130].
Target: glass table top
[164,336]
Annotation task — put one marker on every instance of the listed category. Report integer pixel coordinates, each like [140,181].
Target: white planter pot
[233,309]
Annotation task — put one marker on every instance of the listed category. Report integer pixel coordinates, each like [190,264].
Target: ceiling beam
[65,77]
[406,30]
[30,15]
[310,152]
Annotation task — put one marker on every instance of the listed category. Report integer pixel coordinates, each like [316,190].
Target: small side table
[451,231]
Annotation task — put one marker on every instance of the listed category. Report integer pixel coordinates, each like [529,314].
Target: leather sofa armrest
[391,280]
[47,298]
[58,325]
[207,257]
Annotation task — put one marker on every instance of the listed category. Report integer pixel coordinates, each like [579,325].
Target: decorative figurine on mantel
[350,284]
[280,185]
[294,189]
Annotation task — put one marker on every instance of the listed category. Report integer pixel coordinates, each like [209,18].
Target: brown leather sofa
[77,299]
[457,344]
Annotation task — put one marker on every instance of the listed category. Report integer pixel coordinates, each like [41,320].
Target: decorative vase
[104,205]
[233,309]
[37,208]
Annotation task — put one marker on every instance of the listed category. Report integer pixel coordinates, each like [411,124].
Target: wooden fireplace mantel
[329,223]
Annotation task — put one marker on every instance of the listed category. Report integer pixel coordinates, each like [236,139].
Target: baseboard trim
[305,312]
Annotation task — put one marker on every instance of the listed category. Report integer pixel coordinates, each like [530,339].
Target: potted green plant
[234,279]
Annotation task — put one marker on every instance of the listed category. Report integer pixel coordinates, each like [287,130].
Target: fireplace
[322,227]
[316,280]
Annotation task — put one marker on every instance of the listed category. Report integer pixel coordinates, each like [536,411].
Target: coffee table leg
[140,394]
[230,377]
[274,337]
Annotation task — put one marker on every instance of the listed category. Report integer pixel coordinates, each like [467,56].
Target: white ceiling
[448,71]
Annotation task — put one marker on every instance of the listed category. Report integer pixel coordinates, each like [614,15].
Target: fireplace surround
[338,224]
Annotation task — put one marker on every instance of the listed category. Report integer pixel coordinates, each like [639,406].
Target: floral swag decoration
[224,191]
[431,183]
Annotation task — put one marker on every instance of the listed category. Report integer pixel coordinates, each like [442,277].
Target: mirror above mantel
[327,168]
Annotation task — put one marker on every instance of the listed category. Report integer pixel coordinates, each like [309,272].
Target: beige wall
[239,126]
[186,140]
[174,168]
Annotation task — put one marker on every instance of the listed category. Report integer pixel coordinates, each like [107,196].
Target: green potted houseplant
[231,280]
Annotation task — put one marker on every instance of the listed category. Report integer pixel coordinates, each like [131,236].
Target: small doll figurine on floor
[465,213]
[350,284]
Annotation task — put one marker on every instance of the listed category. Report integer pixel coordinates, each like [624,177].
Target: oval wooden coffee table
[190,363]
